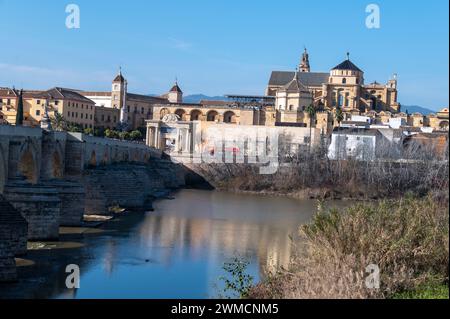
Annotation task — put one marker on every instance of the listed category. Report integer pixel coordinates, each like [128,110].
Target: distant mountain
[416,109]
[196,98]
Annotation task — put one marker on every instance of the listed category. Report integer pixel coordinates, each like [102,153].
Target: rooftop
[347,65]
[281,78]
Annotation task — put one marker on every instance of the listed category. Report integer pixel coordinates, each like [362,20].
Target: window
[142,110]
[56,102]
[344,81]
[8,102]
[38,102]
[38,112]
[341,100]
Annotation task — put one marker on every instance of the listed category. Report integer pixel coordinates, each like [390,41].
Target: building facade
[73,106]
[343,86]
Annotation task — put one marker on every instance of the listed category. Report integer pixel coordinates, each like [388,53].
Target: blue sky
[218,47]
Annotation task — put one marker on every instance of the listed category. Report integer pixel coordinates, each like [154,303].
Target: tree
[19,115]
[124,135]
[311,110]
[339,115]
[136,136]
[75,128]
[99,132]
[88,131]
[111,133]
[59,123]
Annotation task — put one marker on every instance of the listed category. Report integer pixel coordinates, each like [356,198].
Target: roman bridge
[43,174]
[53,179]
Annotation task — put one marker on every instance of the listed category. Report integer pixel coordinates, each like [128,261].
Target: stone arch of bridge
[105,160]
[57,165]
[28,164]
[93,159]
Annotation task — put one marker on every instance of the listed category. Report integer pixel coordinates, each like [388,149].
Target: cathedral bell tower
[118,91]
[304,63]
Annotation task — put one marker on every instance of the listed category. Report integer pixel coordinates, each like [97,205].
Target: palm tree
[59,123]
[339,115]
[311,110]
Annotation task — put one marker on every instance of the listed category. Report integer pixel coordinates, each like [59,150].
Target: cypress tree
[19,115]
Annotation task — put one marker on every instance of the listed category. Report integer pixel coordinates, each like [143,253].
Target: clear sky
[218,47]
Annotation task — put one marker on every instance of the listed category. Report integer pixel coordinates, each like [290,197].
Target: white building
[356,143]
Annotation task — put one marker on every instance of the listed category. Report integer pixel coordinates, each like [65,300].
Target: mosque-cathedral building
[284,103]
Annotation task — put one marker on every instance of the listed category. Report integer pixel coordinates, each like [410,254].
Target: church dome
[348,66]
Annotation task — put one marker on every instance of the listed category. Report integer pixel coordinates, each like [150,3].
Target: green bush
[432,291]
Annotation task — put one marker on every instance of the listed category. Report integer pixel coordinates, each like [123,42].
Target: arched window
[195,115]
[212,116]
[344,81]
[229,117]
[181,114]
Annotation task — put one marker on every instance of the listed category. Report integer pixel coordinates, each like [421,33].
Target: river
[176,251]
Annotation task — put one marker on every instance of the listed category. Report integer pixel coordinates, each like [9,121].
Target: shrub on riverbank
[407,239]
[313,175]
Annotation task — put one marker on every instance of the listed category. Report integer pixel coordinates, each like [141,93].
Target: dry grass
[408,239]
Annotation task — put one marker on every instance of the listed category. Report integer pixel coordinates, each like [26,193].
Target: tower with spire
[304,63]
[175,94]
[118,91]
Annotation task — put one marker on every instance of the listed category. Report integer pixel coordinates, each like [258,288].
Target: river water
[177,251]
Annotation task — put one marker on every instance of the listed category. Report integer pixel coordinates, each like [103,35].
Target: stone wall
[72,195]
[13,239]
[128,185]
[39,204]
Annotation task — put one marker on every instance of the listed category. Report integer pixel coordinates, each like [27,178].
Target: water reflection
[178,251]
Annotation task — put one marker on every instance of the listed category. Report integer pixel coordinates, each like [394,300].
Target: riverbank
[404,241]
[314,177]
